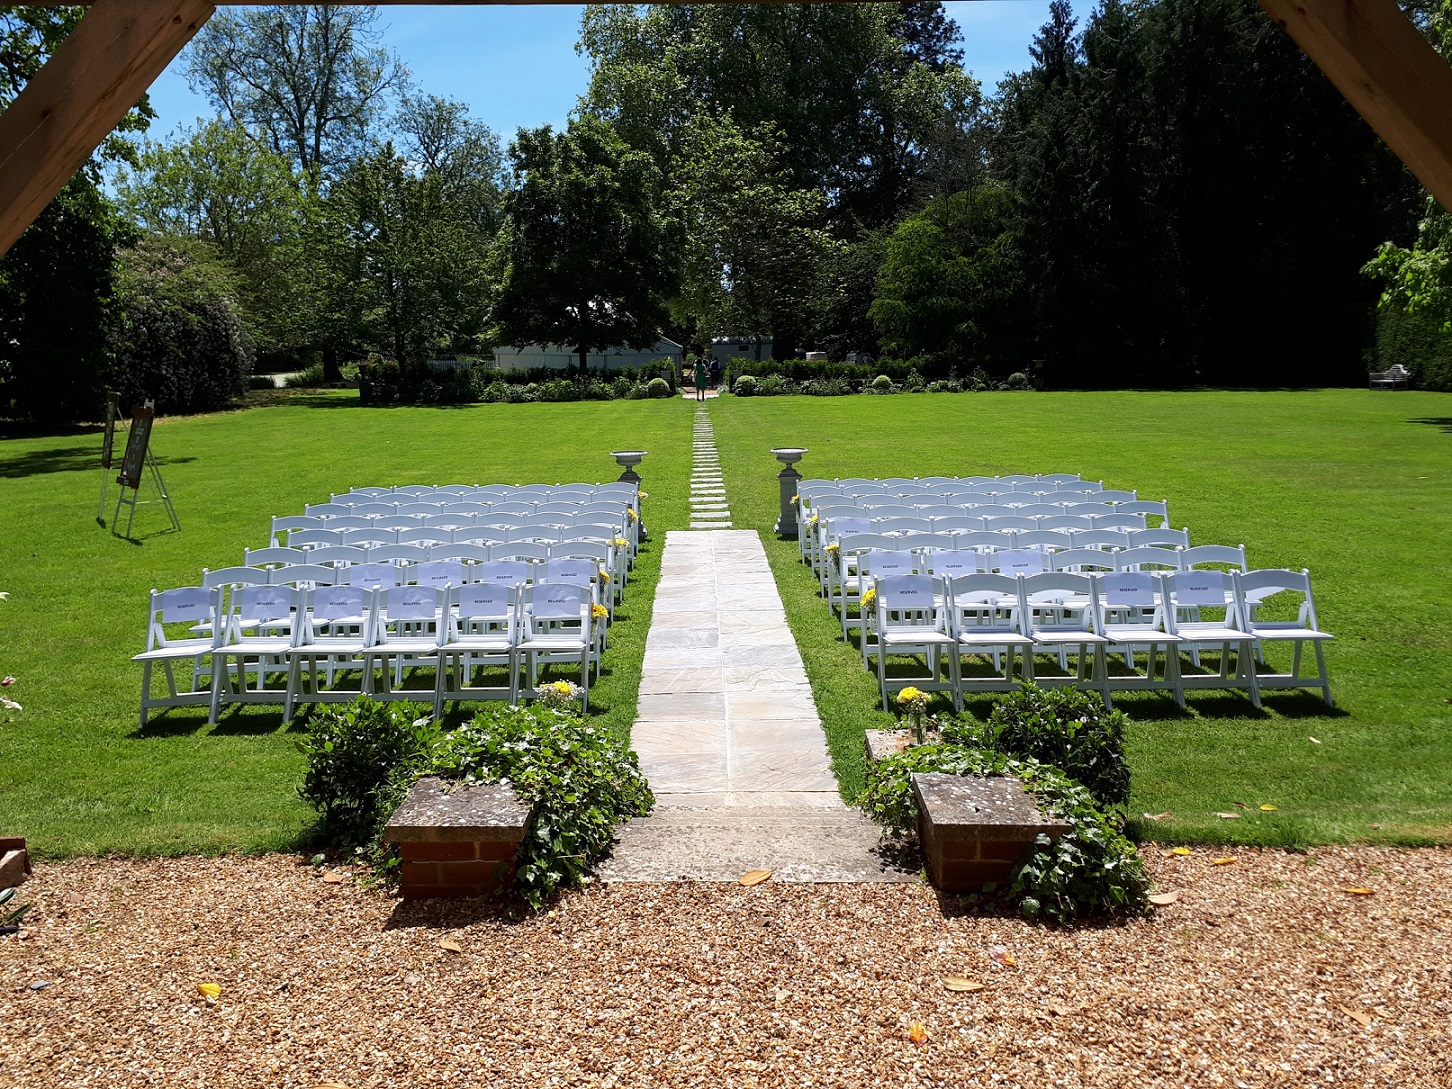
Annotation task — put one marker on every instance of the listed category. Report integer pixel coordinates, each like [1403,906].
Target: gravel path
[1266,972]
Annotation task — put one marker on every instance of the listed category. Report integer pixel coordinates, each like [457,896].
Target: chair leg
[1325,678]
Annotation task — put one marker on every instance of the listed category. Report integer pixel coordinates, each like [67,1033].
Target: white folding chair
[1133,613]
[406,634]
[557,631]
[481,629]
[1058,615]
[259,627]
[1194,595]
[909,621]
[1255,591]
[172,617]
[984,619]
[337,627]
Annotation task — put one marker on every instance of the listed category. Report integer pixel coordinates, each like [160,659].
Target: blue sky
[516,65]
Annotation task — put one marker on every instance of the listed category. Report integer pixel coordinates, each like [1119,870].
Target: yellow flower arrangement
[604,575]
[812,520]
[598,611]
[644,495]
[869,599]
[620,542]
[913,700]
[630,513]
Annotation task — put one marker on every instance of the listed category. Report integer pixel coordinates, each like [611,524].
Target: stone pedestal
[974,831]
[457,840]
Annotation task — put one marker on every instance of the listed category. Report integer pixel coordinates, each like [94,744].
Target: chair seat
[1138,633]
[1258,631]
[989,638]
[263,646]
[477,645]
[175,651]
[1067,638]
[406,646]
[1212,633]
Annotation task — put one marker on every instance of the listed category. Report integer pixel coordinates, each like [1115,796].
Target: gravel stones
[1264,973]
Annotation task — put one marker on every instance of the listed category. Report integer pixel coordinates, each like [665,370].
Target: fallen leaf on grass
[1228,816]
[1158,816]
[1270,809]
[333,877]
[1222,861]
[1357,890]
[1161,899]
[209,990]
[1314,740]
[1356,1015]
[448,945]
[1179,850]
[1240,805]
[1002,957]
[918,1033]
[960,983]
[754,877]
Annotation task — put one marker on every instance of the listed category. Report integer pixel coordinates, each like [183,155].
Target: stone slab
[797,843]
[436,811]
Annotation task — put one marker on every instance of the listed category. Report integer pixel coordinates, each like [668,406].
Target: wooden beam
[81,93]
[1388,71]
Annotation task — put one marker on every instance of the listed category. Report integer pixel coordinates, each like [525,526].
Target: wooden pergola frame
[1368,48]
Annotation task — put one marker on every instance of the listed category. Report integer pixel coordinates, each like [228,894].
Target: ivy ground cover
[1355,485]
[76,774]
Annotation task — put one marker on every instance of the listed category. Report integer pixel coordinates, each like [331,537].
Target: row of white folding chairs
[862,557]
[375,509]
[1089,617]
[982,484]
[823,526]
[830,567]
[267,631]
[987,505]
[603,559]
[484,492]
[544,531]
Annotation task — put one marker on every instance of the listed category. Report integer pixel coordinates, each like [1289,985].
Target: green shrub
[658,387]
[260,381]
[621,387]
[947,385]
[826,387]
[774,386]
[1092,869]
[745,386]
[914,382]
[1016,380]
[307,379]
[361,759]
[1064,728]
[580,780]
[882,384]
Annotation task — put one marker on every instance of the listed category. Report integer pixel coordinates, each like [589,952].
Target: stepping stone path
[709,509]
[727,732]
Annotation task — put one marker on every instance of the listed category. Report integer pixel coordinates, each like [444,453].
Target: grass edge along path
[76,775]
[1352,484]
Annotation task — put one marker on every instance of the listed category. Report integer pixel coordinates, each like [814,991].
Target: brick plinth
[974,831]
[457,840]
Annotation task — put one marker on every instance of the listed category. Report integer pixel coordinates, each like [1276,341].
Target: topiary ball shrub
[882,384]
[1016,380]
[745,386]
[1067,729]
[658,387]
[1091,870]
[361,759]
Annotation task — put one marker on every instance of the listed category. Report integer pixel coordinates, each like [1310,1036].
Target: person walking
[702,376]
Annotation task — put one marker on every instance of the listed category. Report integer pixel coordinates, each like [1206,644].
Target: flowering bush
[560,695]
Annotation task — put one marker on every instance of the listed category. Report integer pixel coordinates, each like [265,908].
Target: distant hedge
[385,382]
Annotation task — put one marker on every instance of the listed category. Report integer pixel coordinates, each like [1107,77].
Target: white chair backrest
[367,538]
[338,555]
[235,576]
[559,601]
[1199,588]
[1128,589]
[954,563]
[1232,556]
[992,540]
[413,602]
[184,605]
[911,593]
[1116,495]
[1018,561]
[338,602]
[882,563]
[460,551]
[371,576]
[1147,558]
[573,569]
[1083,560]
[305,574]
[1169,538]
[505,572]
[485,600]
[1041,539]
[1099,538]
[267,602]
[1119,521]
[400,553]
[438,573]
[317,538]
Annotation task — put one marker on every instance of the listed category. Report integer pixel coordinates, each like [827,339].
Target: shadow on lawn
[192,722]
[1444,422]
[66,459]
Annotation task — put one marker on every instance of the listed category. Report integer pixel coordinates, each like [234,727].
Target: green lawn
[76,775]
[1352,484]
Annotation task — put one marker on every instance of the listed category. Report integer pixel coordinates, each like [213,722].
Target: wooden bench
[1398,377]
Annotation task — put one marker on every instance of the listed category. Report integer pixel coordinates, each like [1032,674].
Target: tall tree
[312,79]
[585,242]
[439,137]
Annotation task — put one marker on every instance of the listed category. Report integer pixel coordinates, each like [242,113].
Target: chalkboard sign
[135,458]
[108,438]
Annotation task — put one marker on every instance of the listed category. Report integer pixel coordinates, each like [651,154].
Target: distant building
[527,356]
[739,349]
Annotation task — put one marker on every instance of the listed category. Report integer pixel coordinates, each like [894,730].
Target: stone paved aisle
[729,737]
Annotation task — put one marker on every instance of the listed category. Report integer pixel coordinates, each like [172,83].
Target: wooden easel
[139,459]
